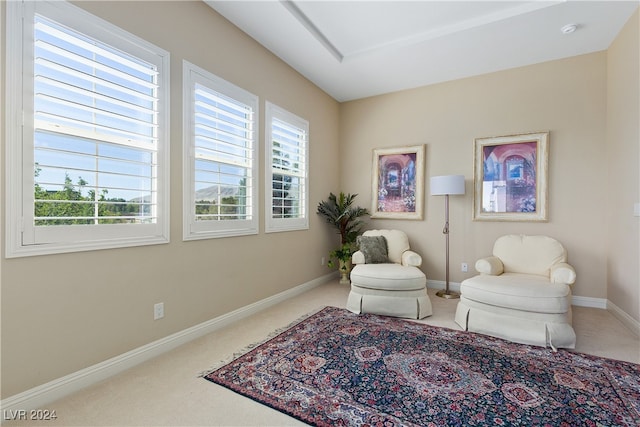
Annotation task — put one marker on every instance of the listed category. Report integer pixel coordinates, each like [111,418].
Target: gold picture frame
[510,177]
[397,190]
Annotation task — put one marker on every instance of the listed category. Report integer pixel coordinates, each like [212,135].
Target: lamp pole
[446,293]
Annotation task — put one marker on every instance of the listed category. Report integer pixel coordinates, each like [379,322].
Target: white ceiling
[356,49]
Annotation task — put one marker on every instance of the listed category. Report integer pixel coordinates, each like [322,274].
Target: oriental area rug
[336,368]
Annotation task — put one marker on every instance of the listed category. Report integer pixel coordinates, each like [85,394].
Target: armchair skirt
[390,290]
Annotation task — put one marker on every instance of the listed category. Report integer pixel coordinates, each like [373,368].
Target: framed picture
[510,177]
[398,182]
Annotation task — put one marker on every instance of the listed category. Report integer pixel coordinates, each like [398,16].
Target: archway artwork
[510,178]
[397,182]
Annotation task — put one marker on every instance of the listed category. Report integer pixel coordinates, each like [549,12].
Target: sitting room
[179,151]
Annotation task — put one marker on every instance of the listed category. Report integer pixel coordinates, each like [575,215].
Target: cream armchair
[522,294]
[386,279]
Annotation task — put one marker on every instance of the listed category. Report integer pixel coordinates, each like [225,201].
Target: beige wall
[62,313]
[566,97]
[623,154]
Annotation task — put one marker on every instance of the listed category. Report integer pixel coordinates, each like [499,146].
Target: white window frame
[23,238]
[274,225]
[197,230]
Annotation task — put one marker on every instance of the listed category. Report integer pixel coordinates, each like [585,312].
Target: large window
[287,160]
[87,122]
[220,157]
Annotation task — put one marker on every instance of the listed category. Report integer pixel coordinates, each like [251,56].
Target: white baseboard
[589,302]
[44,394]
[441,284]
[622,316]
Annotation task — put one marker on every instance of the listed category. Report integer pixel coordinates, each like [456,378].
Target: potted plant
[339,212]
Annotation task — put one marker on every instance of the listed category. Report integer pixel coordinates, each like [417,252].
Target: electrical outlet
[322,261]
[158,311]
[464,267]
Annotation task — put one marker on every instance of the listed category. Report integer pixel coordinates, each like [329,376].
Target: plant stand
[344,268]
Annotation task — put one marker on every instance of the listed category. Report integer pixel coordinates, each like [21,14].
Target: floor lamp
[447,185]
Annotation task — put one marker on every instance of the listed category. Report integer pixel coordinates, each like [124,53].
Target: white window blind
[221,144]
[95,123]
[94,102]
[287,166]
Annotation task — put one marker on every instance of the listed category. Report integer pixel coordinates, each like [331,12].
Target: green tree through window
[68,206]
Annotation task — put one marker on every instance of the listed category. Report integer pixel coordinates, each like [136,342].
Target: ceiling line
[315,32]
[455,28]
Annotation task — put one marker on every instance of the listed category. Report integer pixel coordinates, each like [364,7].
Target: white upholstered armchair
[386,279]
[522,293]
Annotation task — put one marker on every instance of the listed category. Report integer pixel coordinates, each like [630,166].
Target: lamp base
[447,294]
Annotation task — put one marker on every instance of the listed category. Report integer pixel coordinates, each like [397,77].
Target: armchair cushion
[490,265]
[357,258]
[397,243]
[563,273]
[526,292]
[529,254]
[390,277]
[411,259]
[374,249]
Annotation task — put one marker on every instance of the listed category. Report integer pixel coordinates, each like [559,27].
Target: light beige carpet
[167,391]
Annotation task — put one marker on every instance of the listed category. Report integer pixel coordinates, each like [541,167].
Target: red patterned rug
[336,368]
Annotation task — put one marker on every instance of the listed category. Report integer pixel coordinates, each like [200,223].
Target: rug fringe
[253,345]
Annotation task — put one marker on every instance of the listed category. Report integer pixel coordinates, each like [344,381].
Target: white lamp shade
[447,184]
